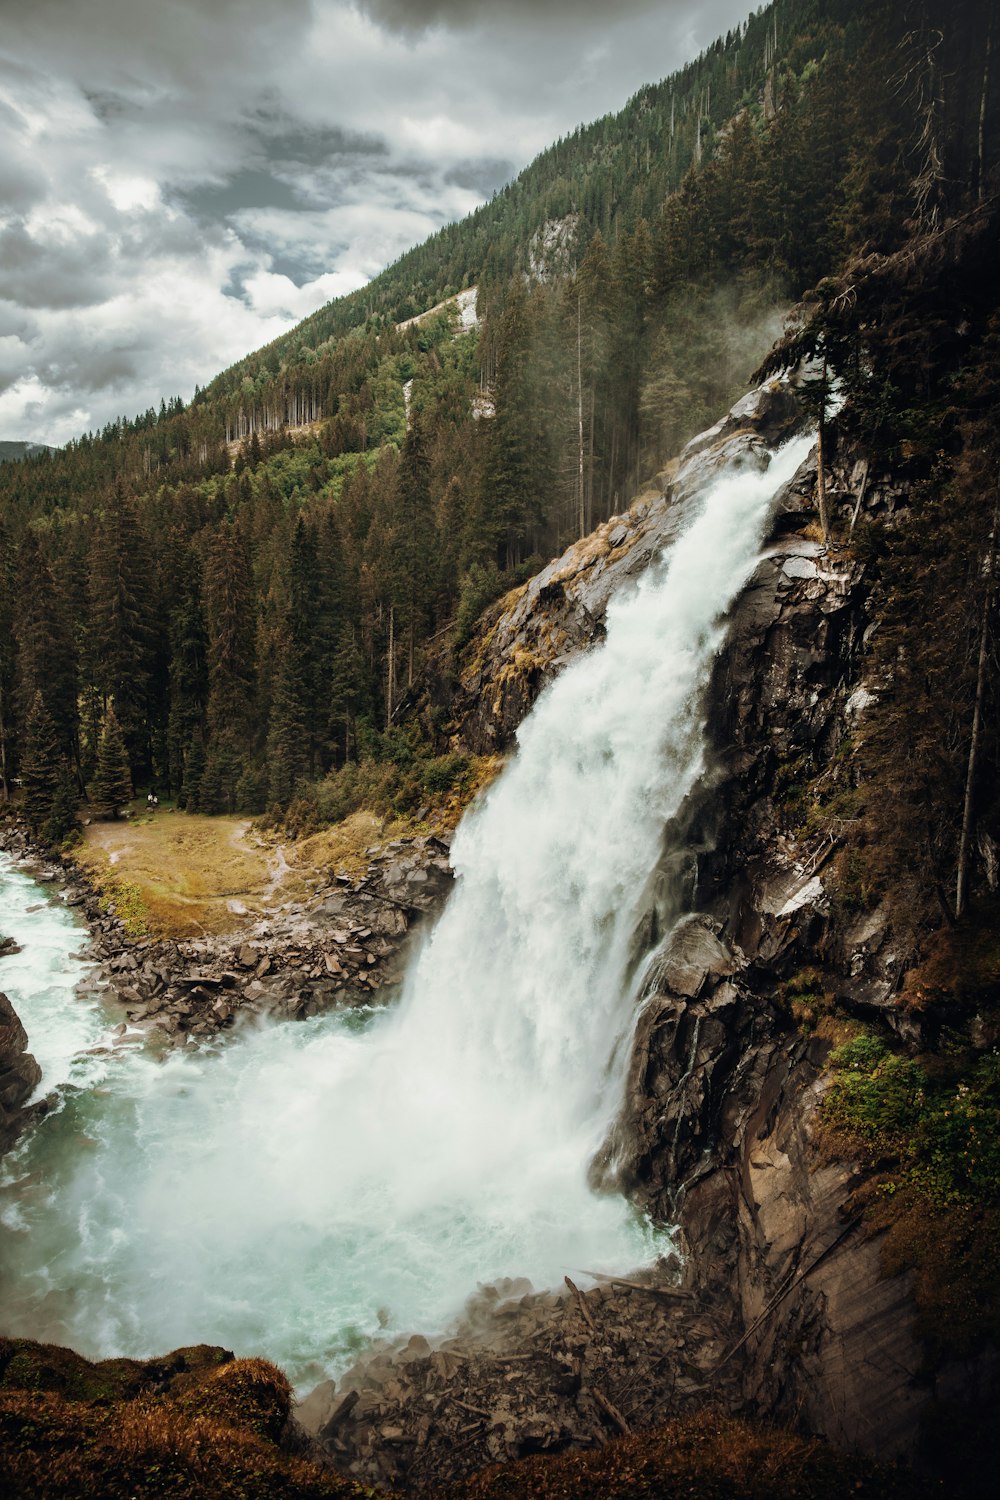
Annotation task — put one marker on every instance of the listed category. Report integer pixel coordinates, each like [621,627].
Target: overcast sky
[182,180]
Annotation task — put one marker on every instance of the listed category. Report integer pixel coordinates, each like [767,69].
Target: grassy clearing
[186,874]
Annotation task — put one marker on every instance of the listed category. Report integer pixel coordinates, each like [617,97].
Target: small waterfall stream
[308,1186]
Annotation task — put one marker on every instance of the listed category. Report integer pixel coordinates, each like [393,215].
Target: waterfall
[309,1185]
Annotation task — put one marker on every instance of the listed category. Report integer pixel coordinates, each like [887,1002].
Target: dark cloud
[418,15]
[481,177]
[55,276]
[415,15]
[251,187]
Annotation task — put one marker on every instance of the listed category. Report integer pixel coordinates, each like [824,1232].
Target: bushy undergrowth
[942,1135]
[395,776]
[123,899]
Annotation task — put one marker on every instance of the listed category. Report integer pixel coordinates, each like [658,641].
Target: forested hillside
[237,597]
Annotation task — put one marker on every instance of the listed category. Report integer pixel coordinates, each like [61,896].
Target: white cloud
[181,183]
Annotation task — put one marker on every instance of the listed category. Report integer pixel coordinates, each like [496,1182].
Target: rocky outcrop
[20,1075]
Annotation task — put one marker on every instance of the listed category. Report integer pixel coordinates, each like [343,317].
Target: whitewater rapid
[309,1186]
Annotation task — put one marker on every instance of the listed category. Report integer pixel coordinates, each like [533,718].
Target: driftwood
[610,1410]
[581,1303]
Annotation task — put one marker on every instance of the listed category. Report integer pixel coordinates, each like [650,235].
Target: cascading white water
[43,978]
[310,1184]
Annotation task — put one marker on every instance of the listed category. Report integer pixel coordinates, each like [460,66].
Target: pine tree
[193,771]
[62,821]
[40,764]
[112,785]
[46,656]
[8,666]
[119,639]
[229,610]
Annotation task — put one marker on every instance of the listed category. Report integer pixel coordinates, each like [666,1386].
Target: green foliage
[877,1098]
[943,1135]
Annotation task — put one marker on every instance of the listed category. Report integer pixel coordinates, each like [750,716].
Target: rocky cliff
[780,1301]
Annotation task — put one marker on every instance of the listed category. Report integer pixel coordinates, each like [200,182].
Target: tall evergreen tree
[111,789]
[120,635]
[228,587]
[41,763]
[46,654]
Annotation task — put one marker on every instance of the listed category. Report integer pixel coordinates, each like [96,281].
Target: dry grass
[345,847]
[201,1433]
[194,874]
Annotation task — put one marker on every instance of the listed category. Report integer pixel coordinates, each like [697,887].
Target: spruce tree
[112,785]
[61,821]
[120,636]
[8,665]
[40,764]
[46,655]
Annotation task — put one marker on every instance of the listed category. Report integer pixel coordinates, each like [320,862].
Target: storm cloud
[182,181]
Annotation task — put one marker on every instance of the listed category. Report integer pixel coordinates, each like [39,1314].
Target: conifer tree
[416,541]
[194,771]
[229,601]
[46,656]
[120,636]
[111,789]
[61,821]
[40,764]
[8,666]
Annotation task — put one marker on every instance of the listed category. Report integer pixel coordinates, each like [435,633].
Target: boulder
[20,1075]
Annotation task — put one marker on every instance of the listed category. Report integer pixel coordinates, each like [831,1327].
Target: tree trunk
[390,673]
[977,720]
[821,466]
[982,108]
[581,517]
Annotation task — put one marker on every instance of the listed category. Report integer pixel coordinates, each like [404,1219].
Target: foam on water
[42,979]
[310,1185]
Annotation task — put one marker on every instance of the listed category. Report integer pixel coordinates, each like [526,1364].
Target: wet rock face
[718,1132]
[20,1075]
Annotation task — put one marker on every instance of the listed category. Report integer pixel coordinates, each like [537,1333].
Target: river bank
[340,947]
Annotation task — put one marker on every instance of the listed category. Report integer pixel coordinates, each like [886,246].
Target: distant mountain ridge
[13,452]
